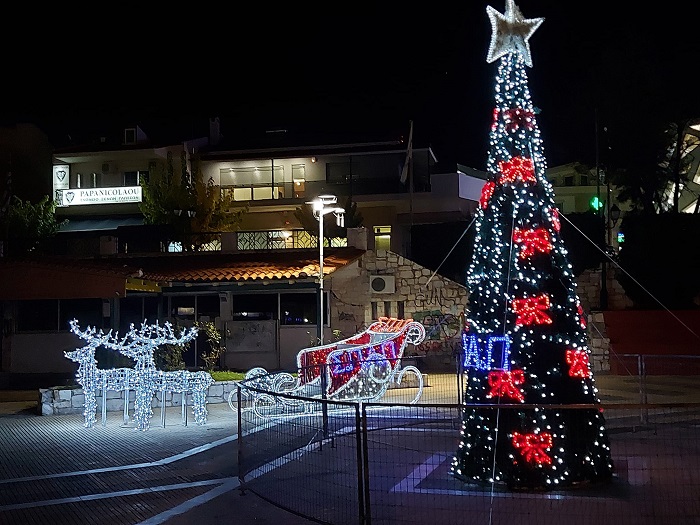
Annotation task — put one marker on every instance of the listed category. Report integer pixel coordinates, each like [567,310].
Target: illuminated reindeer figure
[92,378]
[140,345]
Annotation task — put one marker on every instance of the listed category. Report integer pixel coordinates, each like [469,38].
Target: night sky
[347,66]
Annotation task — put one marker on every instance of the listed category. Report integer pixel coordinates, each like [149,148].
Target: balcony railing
[253,240]
[310,189]
[283,239]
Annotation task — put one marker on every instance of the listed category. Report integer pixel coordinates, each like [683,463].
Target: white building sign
[61,176]
[118,195]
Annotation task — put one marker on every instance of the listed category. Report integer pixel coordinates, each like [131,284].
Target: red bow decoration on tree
[532,240]
[579,365]
[533,447]
[532,310]
[494,124]
[517,117]
[581,317]
[486,193]
[517,169]
[504,383]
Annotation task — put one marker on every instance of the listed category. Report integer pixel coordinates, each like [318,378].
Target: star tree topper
[510,32]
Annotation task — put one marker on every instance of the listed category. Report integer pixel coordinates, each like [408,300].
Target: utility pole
[601,212]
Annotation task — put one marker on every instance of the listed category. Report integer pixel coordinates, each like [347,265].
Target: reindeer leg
[199,403]
[90,408]
[142,407]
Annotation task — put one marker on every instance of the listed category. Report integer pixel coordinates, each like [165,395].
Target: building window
[36,316]
[252,183]
[134,178]
[301,308]
[387,308]
[400,309]
[54,315]
[131,178]
[338,172]
[375,312]
[584,180]
[87,311]
[382,238]
[130,136]
[299,181]
[569,180]
[254,307]
[137,309]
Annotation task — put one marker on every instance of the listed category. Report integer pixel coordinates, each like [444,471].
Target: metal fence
[389,463]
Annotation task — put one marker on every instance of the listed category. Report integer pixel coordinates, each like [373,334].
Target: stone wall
[61,401]
[437,302]
[419,291]
[589,292]
[588,289]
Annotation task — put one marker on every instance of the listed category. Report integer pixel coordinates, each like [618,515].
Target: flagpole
[410,200]
[407,175]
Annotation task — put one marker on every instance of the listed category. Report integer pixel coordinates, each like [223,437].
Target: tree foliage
[676,161]
[653,182]
[25,224]
[193,208]
[353,219]
[214,336]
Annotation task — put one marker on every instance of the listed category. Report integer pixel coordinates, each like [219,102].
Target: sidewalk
[53,470]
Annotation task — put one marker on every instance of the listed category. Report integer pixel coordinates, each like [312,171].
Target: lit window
[382,238]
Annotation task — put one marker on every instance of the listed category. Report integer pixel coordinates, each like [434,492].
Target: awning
[83,225]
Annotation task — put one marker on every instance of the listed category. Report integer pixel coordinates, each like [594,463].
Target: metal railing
[388,462]
[283,239]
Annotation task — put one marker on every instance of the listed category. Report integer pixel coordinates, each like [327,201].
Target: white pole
[320,273]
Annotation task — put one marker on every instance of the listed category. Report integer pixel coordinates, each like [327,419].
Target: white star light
[510,32]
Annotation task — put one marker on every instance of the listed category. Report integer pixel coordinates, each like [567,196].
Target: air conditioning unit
[382,284]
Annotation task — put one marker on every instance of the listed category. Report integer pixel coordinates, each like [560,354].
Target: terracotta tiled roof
[229,267]
[66,277]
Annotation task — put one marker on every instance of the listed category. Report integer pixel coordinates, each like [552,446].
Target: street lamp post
[321,206]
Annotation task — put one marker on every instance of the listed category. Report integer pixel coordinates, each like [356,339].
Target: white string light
[145,379]
[522,291]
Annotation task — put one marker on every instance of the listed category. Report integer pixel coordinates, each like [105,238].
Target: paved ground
[53,470]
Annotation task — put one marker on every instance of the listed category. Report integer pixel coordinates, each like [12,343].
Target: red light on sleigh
[363,366]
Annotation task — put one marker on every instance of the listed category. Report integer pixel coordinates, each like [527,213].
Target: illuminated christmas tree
[525,340]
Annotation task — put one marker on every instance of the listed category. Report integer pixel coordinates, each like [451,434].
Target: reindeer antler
[147,338]
[90,334]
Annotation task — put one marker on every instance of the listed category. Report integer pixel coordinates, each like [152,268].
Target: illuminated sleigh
[359,368]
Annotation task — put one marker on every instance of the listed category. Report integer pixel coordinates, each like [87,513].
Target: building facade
[259,284]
